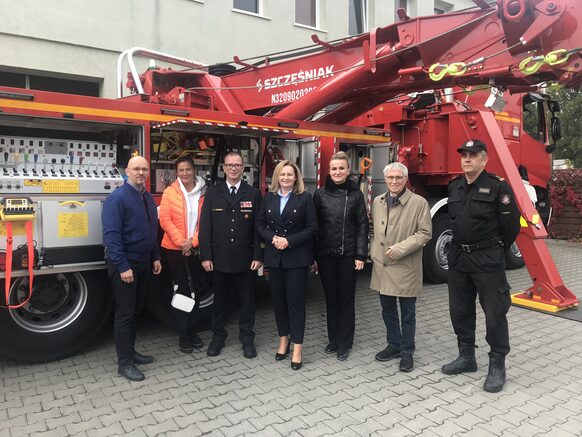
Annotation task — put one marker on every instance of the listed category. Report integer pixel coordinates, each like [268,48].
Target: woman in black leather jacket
[341,249]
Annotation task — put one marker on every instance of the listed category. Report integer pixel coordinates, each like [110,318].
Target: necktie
[233,191]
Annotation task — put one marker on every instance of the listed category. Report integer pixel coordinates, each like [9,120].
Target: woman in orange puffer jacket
[179,218]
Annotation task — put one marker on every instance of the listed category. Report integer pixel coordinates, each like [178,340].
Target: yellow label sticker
[73,224]
[32,182]
[58,186]
[18,228]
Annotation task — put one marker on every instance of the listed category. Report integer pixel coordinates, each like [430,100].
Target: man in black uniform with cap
[485,224]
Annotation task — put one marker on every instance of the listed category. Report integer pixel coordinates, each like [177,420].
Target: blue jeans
[400,337]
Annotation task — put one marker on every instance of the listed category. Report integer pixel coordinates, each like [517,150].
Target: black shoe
[185,342]
[130,372]
[296,366]
[280,357]
[465,362]
[142,359]
[406,363]
[330,348]
[496,376]
[387,354]
[342,354]
[249,350]
[214,348]
[196,341]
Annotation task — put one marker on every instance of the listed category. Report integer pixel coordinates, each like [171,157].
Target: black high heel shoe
[296,366]
[280,357]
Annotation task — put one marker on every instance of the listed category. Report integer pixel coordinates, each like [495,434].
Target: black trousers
[493,291]
[129,300]
[176,264]
[288,291]
[224,285]
[338,278]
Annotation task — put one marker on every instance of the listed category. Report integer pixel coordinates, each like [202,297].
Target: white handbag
[181,301]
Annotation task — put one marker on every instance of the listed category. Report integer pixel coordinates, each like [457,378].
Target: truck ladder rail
[152,54]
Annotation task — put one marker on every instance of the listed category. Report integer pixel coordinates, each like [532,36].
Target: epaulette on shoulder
[494,176]
[456,178]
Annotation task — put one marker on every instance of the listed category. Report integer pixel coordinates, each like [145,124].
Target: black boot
[465,362]
[496,377]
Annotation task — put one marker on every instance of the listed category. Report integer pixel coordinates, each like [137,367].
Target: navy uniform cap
[472,146]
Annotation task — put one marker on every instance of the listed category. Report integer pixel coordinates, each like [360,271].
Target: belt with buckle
[468,248]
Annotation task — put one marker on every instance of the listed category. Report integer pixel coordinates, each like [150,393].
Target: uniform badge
[505,199]
[247,204]
[484,190]
[247,216]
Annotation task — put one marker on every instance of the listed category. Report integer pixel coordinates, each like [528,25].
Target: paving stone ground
[190,395]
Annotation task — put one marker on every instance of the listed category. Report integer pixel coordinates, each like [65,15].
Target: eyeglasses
[140,169]
[233,166]
[394,178]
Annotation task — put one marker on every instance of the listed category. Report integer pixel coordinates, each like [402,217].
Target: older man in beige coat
[401,227]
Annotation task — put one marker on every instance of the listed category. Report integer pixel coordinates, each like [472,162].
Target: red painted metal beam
[548,287]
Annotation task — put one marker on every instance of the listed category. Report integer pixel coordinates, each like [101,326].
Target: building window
[442,7]
[306,12]
[357,17]
[247,5]
[45,83]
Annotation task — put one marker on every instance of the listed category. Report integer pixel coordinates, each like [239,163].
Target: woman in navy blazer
[287,222]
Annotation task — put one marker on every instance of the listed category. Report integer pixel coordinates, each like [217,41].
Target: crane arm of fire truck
[513,44]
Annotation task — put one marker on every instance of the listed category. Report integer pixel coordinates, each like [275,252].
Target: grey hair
[396,166]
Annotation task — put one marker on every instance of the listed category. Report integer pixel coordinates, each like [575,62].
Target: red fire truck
[411,91]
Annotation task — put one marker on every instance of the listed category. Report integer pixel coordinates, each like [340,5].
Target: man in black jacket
[231,249]
[485,222]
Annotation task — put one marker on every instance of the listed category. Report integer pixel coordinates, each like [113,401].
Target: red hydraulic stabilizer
[548,292]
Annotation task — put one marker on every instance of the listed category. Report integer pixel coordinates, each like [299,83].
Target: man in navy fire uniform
[485,223]
[231,249]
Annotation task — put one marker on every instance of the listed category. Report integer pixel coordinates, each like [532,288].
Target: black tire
[513,258]
[435,253]
[66,313]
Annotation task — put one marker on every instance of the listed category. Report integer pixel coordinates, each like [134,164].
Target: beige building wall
[81,39]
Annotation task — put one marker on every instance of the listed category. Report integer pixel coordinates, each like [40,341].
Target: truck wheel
[435,253]
[513,258]
[64,315]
